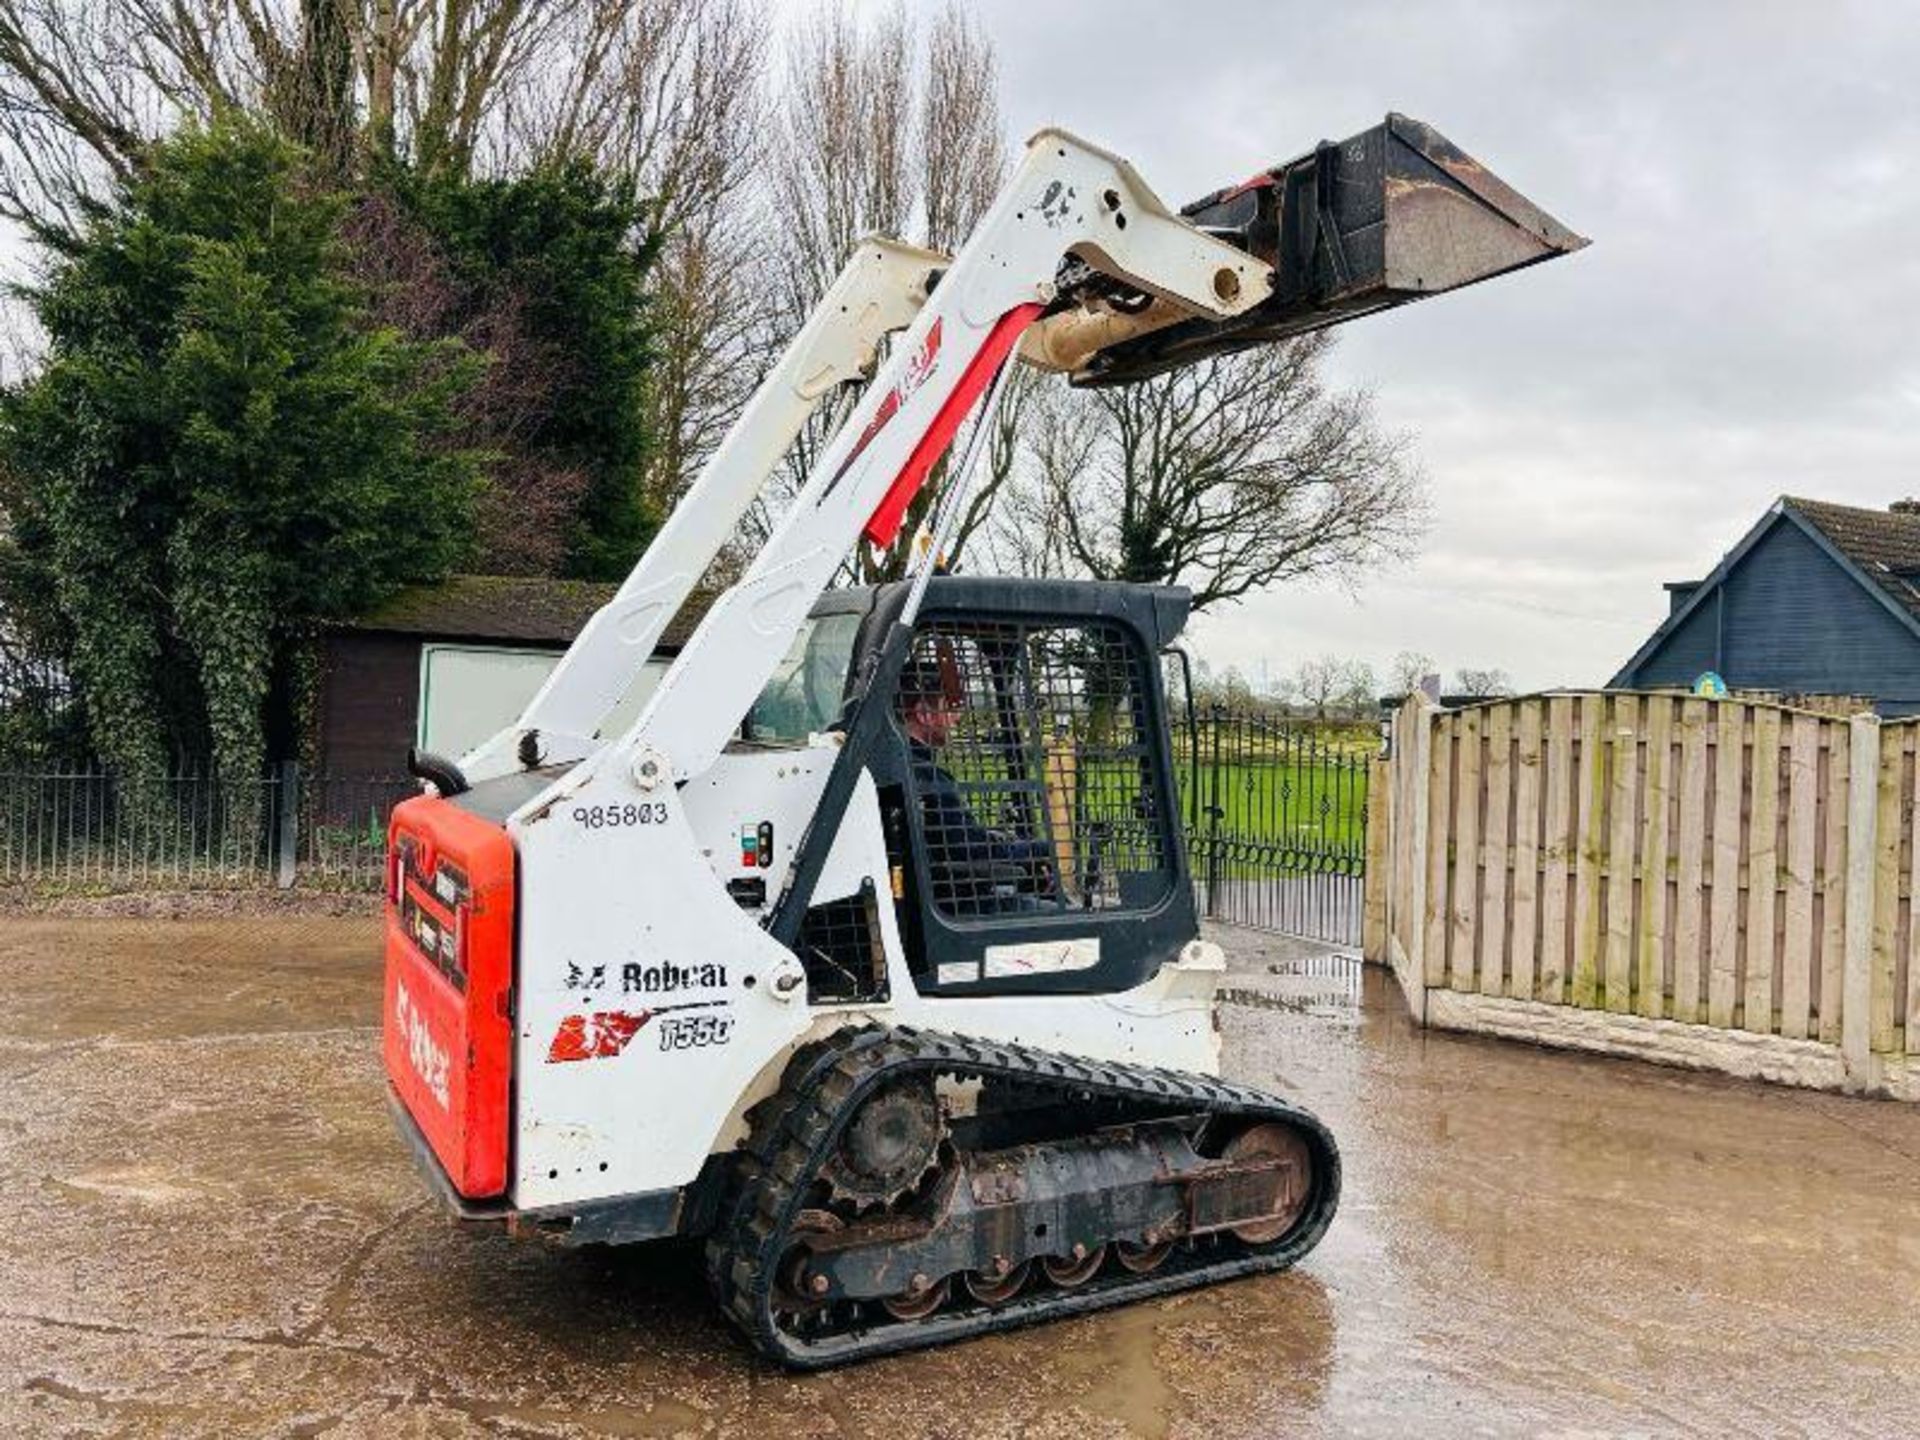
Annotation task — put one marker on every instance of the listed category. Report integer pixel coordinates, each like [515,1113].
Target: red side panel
[884,523]
[449,1028]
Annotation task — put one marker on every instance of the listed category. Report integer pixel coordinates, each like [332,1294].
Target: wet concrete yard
[207,1228]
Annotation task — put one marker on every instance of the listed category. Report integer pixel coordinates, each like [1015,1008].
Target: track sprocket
[888,1148]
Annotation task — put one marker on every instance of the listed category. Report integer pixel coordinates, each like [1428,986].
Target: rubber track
[792,1133]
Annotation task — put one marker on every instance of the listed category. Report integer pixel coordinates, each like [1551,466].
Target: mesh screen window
[1033,768]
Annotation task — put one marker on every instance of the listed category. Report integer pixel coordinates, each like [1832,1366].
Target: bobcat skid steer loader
[868,951]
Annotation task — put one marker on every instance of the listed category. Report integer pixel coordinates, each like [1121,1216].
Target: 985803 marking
[602,817]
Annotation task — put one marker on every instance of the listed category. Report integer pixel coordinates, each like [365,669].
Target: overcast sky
[1744,324]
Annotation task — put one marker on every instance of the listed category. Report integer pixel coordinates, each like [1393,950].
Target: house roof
[508,608]
[1879,548]
[1883,544]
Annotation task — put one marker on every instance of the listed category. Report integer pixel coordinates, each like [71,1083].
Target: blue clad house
[1816,599]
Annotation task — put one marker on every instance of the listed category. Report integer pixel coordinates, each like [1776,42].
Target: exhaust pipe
[437,771]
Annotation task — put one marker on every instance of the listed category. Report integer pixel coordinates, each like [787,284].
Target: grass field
[1294,803]
[1295,784]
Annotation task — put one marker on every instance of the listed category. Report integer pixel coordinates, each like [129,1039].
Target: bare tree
[1022,403]
[672,93]
[1409,669]
[661,90]
[962,138]
[876,132]
[707,358]
[1359,692]
[1318,682]
[1331,685]
[1019,529]
[86,87]
[841,149]
[667,93]
[1482,684]
[73,110]
[1228,476]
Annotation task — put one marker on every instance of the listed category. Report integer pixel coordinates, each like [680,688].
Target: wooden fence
[1717,883]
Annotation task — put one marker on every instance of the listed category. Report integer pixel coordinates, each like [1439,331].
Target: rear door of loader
[448,1028]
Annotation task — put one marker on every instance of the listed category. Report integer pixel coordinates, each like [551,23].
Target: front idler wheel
[1283,1145]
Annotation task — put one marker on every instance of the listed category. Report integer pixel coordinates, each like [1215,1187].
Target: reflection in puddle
[1251,1357]
[1346,967]
[1326,986]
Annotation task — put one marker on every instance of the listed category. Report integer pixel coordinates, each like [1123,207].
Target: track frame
[795,1130]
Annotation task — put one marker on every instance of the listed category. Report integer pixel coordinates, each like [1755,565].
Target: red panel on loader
[449,1027]
[884,523]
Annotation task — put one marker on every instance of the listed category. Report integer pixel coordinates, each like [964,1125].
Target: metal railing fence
[1275,812]
[1276,815]
[86,831]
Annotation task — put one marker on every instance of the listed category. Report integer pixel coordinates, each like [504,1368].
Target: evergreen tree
[567,251]
[219,451]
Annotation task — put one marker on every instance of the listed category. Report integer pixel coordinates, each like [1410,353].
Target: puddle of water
[1323,986]
[1334,964]
[662,1418]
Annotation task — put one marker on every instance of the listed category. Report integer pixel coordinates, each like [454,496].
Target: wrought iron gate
[1276,812]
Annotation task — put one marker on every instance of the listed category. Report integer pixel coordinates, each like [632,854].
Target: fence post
[1376,873]
[1418,751]
[1856,989]
[289,837]
[1217,715]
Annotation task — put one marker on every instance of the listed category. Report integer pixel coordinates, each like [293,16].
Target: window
[469,693]
[1032,763]
[803,695]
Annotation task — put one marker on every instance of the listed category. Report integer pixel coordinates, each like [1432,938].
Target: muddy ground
[208,1229]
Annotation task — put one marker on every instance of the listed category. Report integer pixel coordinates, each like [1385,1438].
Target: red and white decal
[427,1056]
[884,524]
[597,1036]
[916,376]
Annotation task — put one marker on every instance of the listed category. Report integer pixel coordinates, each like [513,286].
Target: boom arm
[1080,266]
[879,292]
[1066,198]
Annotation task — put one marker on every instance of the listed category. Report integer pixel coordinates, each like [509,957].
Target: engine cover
[448,1028]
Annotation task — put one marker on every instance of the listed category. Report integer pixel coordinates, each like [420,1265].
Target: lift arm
[1067,200]
[1081,267]
[879,292]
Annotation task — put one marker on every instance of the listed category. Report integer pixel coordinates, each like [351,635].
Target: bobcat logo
[602,1034]
[427,1056]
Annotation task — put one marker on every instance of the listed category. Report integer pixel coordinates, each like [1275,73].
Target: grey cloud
[1743,325]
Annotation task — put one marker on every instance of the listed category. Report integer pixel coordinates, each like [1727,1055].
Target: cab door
[1032,819]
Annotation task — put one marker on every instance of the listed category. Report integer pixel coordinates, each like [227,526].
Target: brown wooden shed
[377,673]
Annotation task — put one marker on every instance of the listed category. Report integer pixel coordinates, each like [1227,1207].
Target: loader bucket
[1395,214]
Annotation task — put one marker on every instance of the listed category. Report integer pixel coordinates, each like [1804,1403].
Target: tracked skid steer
[868,952]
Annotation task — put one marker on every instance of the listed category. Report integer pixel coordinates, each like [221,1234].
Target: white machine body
[605,901]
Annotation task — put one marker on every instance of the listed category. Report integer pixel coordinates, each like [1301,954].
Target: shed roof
[1883,544]
[532,610]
